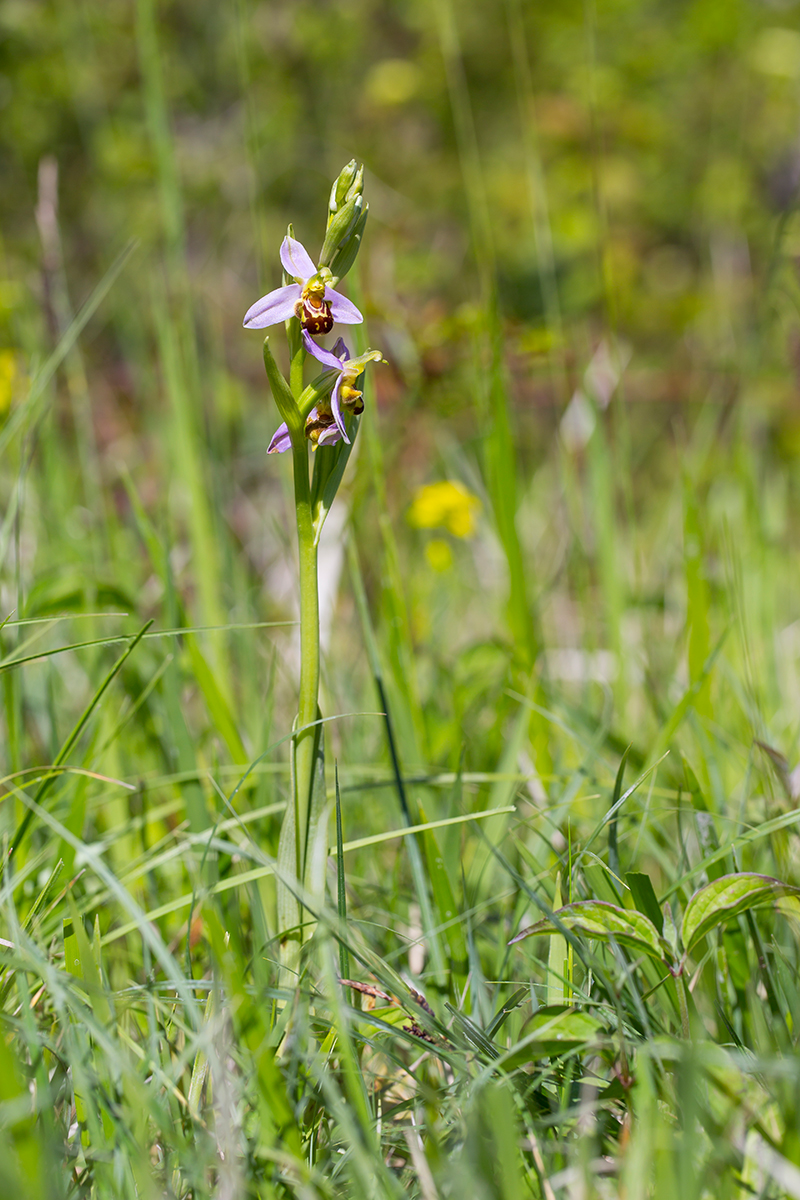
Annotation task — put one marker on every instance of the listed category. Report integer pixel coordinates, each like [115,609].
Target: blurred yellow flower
[439,554]
[8,377]
[446,505]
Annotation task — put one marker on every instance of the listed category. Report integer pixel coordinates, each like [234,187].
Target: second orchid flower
[325,423]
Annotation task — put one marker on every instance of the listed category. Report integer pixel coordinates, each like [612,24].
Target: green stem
[308,785]
[309,654]
[296,373]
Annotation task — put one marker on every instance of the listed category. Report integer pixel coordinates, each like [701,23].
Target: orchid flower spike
[310,298]
[344,394]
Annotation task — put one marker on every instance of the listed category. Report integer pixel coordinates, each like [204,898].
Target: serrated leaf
[596,919]
[725,898]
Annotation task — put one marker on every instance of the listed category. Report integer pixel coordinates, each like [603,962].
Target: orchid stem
[309,656]
[296,379]
[294,849]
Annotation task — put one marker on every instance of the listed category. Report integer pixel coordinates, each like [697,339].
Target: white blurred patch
[331,561]
[578,422]
[600,381]
[580,666]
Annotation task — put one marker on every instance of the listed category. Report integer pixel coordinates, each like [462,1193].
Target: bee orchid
[344,395]
[325,423]
[310,298]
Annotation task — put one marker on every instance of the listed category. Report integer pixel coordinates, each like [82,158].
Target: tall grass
[595,700]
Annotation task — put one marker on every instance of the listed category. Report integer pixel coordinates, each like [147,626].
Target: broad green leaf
[553,1029]
[726,897]
[596,919]
[559,1028]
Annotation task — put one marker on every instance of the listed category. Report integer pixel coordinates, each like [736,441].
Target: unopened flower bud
[349,184]
[346,252]
[340,226]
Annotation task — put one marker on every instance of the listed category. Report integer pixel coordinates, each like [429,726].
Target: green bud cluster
[348,185]
[347,217]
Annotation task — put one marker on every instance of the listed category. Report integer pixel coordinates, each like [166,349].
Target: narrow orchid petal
[329,437]
[342,309]
[281,440]
[337,411]
[273,308]
[296,260]
[322,355]
[340,350]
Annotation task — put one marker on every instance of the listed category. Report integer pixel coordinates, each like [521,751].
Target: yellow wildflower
[439,554]
[446,505]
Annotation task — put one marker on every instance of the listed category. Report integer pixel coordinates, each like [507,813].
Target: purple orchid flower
[321,429]
[310,298]
[325,424]
[281,440]
[344,395]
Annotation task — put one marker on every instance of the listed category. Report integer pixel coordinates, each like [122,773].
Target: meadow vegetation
[558,591]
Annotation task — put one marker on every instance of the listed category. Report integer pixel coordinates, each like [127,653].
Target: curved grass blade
[644,897]
[613,848]
[341,883]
